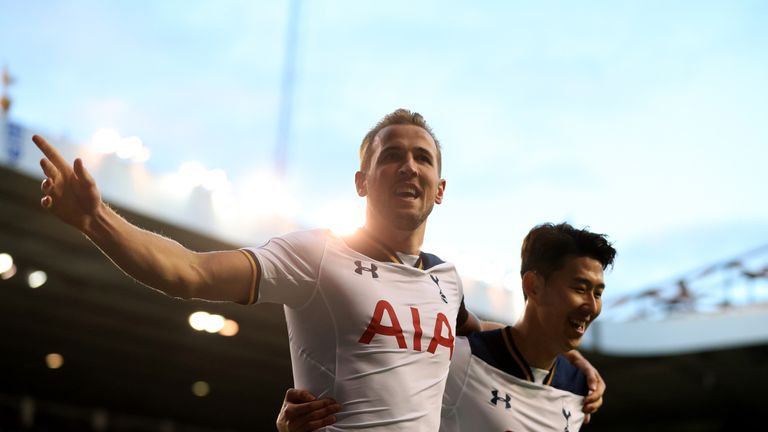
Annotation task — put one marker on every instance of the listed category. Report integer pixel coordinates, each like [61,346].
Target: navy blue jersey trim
[427,261]
[490,347]
[569,378]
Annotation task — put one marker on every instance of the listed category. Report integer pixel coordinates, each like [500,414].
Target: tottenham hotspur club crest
[567,415]
[372,269]
[437,282]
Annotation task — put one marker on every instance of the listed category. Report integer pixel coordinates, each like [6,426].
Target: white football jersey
[376,336]
[490,389]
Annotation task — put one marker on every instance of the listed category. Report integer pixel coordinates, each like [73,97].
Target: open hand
[303,412]
[69,192]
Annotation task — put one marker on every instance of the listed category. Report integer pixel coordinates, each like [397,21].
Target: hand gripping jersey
[490,389]
[376,336]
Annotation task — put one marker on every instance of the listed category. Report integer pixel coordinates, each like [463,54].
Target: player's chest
[357,283]
[503,402]
[393,300]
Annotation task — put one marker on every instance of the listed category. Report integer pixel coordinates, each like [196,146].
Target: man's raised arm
[70,193]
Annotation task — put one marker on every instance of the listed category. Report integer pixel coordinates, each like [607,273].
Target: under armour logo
[567,415]
[437,282]
[360,269]
[495,399]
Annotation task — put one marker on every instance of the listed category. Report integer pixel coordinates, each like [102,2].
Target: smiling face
[402,183]
[567,302]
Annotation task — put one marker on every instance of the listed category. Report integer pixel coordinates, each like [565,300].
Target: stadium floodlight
[198,320]
[36,279]
[11,272]
[54,360]
[230,328]
[6,262]
[214,323]
[201,388]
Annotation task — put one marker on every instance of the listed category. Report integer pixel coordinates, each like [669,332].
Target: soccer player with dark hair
[516,378]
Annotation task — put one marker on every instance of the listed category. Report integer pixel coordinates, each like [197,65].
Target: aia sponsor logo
[395,330]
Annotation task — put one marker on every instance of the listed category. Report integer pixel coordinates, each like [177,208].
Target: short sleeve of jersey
[289,267]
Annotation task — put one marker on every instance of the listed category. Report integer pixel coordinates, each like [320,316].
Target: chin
[408,221]
[571,344]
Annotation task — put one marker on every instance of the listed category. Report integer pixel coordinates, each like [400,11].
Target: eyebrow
[424,150]
[588,282]
[391,149]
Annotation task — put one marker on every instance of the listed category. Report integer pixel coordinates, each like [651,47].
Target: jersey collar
[519,361]
[389,254]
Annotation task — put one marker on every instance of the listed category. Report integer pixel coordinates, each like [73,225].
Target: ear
[360,184]
[532,284]
[440,192]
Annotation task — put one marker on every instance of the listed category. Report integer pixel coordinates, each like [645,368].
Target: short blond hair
[400,116]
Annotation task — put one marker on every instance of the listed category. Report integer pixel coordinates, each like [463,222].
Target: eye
[425,158]
[388,156]
[580,289]
[598,294]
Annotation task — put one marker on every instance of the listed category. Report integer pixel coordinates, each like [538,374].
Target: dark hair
[546,247]
[400,116]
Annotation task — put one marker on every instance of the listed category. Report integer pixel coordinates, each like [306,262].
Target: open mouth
[407,192]
[579,325]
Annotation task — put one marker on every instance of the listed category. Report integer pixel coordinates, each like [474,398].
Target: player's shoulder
[304,236]
[315,233]
[569,378]
[308,245]
[489,347]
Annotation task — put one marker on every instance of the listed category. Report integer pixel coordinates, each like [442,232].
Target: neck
[404,241]
[531,340]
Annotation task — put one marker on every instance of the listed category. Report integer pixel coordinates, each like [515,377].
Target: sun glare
[342,217]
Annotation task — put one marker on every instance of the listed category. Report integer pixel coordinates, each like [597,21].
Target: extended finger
[49,169]
[82,174]
[587,418]
[46,202]
[50,152]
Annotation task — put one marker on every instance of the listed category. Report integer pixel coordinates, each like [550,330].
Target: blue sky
[641,119]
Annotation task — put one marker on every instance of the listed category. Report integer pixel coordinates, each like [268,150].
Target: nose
[408,167]
[592,304]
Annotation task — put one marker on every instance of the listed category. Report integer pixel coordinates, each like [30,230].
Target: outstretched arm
[595,383]
[70,193]
[302,412]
